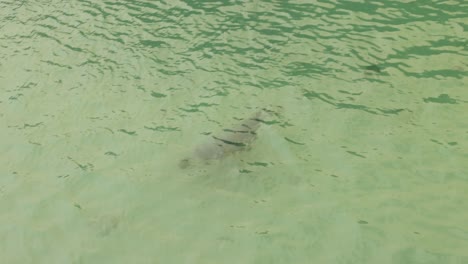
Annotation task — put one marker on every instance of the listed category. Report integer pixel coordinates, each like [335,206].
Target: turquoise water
[362,159]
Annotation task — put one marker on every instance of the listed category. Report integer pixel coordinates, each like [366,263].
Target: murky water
[365,163]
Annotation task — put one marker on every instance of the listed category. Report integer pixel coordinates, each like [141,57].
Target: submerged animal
[229,141]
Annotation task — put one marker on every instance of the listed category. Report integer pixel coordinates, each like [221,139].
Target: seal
[234,139]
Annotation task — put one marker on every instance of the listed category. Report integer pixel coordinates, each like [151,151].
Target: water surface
[366,162]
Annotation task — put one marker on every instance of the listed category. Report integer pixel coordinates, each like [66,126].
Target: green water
[364,162]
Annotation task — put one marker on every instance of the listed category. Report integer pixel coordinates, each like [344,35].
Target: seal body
[231,140]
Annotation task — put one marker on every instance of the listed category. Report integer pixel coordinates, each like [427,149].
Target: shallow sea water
[365,163]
